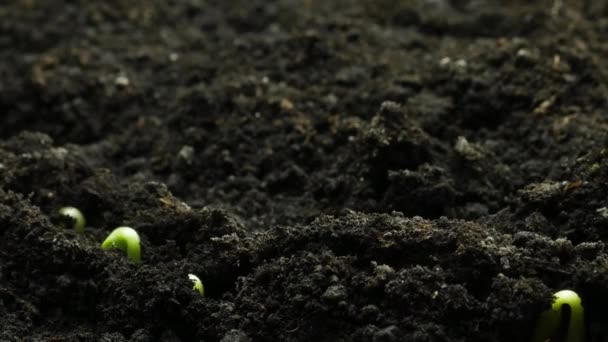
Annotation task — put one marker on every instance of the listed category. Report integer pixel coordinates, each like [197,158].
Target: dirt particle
[335,293]
[389,334]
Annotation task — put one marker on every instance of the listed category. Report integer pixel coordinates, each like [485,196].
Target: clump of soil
[332,170]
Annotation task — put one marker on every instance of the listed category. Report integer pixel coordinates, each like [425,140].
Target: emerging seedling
[75,216]
[127,239]
[564,321]
[198,284]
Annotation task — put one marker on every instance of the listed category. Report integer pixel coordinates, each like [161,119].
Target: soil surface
[371,170]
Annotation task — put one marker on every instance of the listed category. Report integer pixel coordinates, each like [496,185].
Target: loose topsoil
[372,170]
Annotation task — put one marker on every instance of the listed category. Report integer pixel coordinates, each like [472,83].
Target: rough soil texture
[372,170]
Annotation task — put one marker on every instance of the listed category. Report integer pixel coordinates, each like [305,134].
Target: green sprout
[75,216]
[124,238]
[564,321]
[198,284]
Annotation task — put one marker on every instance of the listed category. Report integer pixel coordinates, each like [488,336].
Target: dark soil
[372,170]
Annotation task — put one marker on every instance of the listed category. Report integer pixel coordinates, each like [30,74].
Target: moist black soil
[370,170]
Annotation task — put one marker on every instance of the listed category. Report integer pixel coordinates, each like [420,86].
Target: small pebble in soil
[335,293]
[186,154]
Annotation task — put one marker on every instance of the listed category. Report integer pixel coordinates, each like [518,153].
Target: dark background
[339,170]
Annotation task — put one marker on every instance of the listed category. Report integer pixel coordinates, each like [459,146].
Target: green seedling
[198,284]
[124,238]
[76,216]
[564,321]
